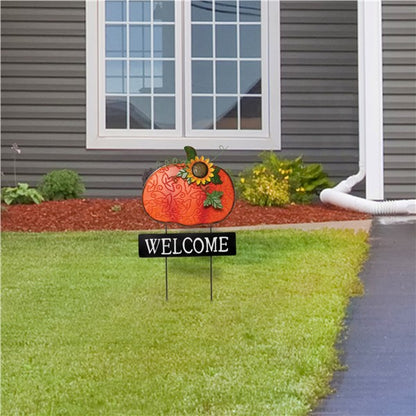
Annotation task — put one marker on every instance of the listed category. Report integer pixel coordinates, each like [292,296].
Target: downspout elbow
[336,197]
[346,185]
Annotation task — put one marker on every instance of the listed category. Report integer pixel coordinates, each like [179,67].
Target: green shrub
[61,184]
[264,189]
[21,194]
[302,181]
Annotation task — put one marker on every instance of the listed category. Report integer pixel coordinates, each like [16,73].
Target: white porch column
[370,78]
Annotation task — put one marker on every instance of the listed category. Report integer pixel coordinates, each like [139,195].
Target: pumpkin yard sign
[190,194]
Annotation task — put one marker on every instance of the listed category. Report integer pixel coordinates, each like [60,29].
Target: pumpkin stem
[190,153]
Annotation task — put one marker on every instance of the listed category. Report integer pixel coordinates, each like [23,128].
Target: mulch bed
[128,214]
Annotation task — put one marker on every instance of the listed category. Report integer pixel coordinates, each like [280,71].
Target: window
[170,73]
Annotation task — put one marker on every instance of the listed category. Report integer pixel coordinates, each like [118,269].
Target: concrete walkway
[379,349]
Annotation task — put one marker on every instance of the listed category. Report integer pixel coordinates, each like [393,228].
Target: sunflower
[200,170]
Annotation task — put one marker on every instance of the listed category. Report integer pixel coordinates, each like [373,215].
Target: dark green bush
[21,194]
[61,184]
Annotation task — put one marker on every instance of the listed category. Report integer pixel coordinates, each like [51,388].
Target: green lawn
[86,329]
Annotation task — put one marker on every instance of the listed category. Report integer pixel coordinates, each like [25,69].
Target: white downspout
[370,123]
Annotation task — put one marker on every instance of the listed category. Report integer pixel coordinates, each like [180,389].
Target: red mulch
[128,214]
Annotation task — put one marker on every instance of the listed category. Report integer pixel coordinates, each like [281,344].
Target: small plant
[302,181]
[61,184]
[116,208]
[264,189]
[21,194]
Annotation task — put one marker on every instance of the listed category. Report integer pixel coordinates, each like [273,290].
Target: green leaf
[190,153]
[36,197]
[214,199]
[216,180]
[182,174]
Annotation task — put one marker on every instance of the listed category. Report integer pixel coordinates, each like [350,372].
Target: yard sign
[192,193]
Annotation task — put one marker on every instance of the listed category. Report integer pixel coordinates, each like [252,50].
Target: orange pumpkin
[189,194]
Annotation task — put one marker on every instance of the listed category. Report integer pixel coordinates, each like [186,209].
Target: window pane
[164,41]
[201,41]
[164,113]
[140,41]
[115,41]
[149,79]
[202,77]
[140,113]
[226,41]
[225,11]
[140,77]
[251,113]
[250,11]
[202,117]
[227,113]
[164,77]
[116,113]
[139,11]
[201,11]
[250,77]
[226,77]
[250,41]
[164,11]
[115,77]
[115,11]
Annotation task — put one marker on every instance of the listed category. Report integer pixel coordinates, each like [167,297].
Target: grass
[86,329]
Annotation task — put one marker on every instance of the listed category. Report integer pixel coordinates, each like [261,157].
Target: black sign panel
[187,244]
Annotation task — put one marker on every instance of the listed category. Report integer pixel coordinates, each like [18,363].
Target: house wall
[43,96]
[399,85]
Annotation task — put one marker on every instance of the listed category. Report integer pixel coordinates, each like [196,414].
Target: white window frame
[100,138]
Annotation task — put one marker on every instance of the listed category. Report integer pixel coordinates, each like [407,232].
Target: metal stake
[16,151]
[210,269]
[166,271]
[14,169]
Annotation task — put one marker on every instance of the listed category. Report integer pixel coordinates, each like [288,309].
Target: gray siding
[319,84]
[43,96]
[399,76]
